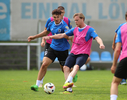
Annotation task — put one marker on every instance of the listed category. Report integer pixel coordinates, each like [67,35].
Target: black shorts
[76,60]
[47,45]
[121,70]
[61,55]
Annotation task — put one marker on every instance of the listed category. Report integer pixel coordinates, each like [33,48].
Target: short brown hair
[81,16]
[56,12]
[61,8]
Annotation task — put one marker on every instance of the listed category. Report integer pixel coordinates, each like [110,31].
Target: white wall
[104,15]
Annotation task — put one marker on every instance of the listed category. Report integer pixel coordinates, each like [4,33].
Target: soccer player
[58,48]
[123,82]
[68,22]
[80,50]
[48,42]
[120,72]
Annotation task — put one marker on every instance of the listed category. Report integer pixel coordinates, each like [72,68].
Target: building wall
[103,15]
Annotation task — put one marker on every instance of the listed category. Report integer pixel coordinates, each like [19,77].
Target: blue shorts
[76,60]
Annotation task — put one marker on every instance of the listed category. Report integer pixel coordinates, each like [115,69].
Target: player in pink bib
[120,72]
[80,51]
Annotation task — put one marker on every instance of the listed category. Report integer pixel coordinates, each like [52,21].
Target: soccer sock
[69,89]
[69,79]
[42,80]
[113,97]
[38,82]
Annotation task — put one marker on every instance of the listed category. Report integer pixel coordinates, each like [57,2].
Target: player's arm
[46,25]
[69,24]
[113,43]
[94,35]
[43,33]
[44,29]
[66,29]
[116,56]
[43,42]
[117,51]
[58,36]
[100,42]
[70,38]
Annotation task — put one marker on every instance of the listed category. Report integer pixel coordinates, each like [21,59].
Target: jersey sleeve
[69,24]
[118,37]
[66,28]
[48,27]
[91,34]
[119,27]
[70,32]
[48,21]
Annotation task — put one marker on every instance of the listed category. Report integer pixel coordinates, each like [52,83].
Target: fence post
[39,46]
[28,56]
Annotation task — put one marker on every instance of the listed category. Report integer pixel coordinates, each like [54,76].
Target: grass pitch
[91,85]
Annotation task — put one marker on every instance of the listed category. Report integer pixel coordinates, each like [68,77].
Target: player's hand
[113,46]
[113,68]
[30,38]
[43,42]
[102,46]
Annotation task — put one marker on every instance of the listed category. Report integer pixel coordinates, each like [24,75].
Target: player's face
[78,21]
[62,13]
[57,18]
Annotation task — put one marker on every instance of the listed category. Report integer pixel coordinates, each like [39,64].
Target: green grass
[91,85]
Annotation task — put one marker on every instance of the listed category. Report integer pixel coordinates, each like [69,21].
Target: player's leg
[46,62]
[47,45]
[50,57]
[76,76]
[120,73]
[75,79]
[70,61]
[114,88]
[62,55]
[87,61]
[68,84]
[61,66]
[79,61]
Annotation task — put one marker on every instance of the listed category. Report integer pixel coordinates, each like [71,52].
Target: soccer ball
[49,88]
[83,68]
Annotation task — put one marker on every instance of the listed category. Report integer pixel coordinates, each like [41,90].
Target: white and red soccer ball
[49,88]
